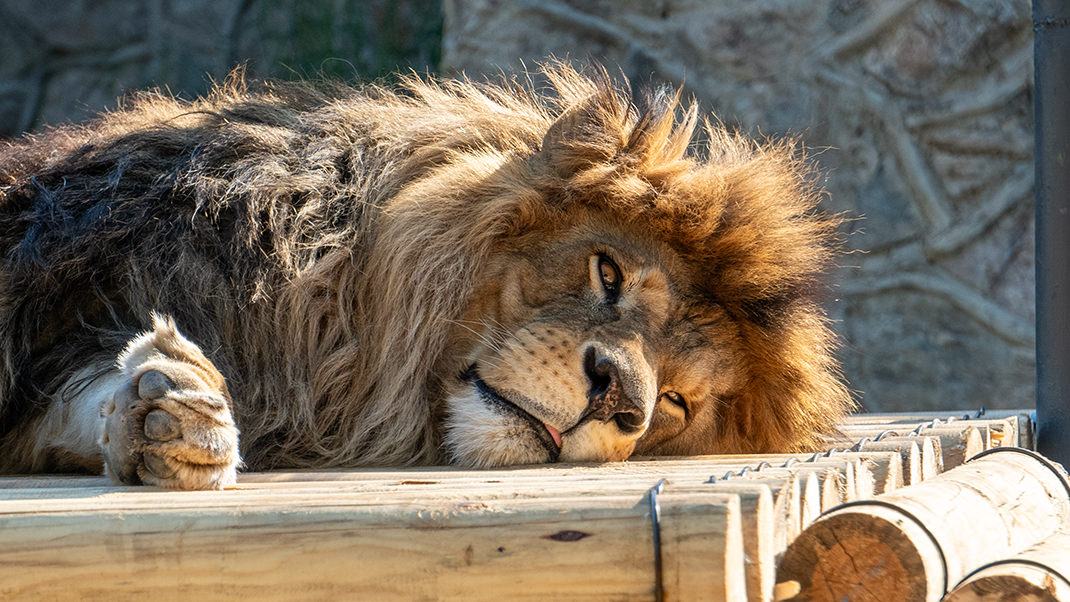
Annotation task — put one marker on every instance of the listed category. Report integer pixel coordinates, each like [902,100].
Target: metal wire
[655,516]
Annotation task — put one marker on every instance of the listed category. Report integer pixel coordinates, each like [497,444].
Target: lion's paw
[170,425]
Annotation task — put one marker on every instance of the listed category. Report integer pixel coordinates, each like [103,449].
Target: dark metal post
[1051,47]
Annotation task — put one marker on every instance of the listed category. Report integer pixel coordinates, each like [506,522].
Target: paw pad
[158,466]
[170,427]
[153,384]
[161,425]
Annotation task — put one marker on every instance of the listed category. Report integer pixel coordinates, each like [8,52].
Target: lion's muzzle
[608,399]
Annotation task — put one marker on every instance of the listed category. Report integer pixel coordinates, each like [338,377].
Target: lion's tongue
[556,434]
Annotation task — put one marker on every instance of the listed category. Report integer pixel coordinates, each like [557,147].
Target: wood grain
[263,545]
[916,542]
[1040,573]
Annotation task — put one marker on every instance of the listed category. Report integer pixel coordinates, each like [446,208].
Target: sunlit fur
[321,243]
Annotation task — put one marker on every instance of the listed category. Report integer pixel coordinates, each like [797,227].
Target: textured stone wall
[919,110]
[65,60]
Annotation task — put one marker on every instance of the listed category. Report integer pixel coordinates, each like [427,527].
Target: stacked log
[527,532]
[917,542]
[537,532]
[1038,574]
[919,456]
[959,437]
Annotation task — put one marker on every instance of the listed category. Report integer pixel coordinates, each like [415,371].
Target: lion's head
[600,290]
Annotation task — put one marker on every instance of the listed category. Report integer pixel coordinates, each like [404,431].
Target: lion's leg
[169,422]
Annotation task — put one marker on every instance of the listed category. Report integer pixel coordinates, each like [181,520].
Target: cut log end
[871,556]
[1012,583]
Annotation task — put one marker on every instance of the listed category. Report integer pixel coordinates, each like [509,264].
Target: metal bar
[1051,47]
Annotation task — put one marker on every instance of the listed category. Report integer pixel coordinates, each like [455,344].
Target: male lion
[442,272]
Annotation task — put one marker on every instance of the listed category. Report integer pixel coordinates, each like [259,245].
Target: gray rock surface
[65,60]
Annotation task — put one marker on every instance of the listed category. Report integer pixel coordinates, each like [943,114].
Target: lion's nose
[607,400]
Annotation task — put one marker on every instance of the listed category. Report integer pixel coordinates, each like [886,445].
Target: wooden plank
[265,546]
[914,543]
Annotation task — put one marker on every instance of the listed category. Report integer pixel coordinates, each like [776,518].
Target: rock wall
[920,111]
[64,60]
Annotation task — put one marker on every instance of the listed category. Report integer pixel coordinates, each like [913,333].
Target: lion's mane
[318,241]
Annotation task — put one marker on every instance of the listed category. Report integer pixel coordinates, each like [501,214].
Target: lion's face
[581,346]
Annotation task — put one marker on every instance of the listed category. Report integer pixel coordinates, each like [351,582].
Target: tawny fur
[319,243]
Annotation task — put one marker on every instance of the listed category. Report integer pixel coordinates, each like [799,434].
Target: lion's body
[321,245]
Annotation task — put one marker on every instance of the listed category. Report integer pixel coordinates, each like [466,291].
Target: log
[909,455]
[806,489]
[914,543]
[759,527]
[929,463]
[957,440]
[833,476]
[1038,574]
[642,474]
[876,472]
[777,495]
[825,483]
[1010,428]
[786,503]
[922,456]
[263,545]
[764,534]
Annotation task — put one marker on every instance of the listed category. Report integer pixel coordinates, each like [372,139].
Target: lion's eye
[611,278]
[676,399]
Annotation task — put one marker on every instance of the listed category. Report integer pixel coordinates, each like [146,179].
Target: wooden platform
[539,532]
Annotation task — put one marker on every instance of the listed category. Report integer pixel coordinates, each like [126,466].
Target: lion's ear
[587,133]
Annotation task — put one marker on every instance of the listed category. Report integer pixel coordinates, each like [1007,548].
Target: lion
[439,271]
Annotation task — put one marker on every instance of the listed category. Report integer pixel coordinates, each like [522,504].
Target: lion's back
[205,209]
[194,209]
